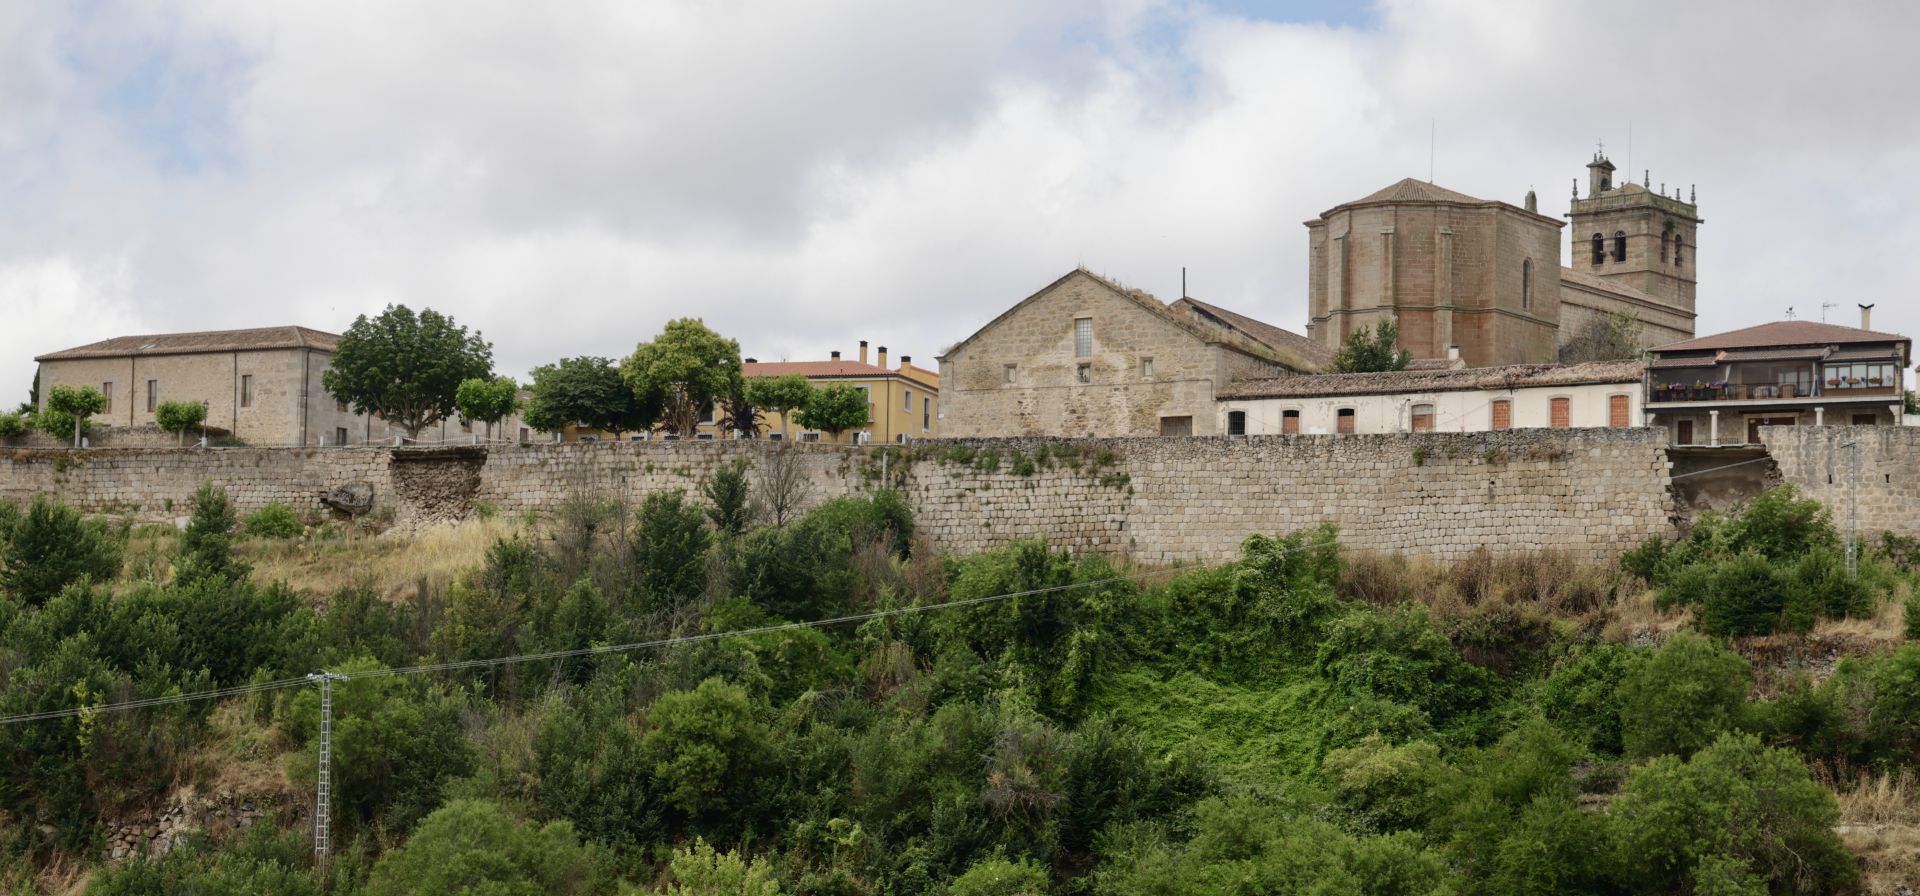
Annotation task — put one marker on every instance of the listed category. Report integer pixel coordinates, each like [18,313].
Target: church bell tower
[1630,234]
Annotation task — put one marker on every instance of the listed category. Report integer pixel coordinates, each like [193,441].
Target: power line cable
[240,690]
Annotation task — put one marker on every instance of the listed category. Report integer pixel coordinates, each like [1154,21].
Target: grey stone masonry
[1884,486]
[1591,492]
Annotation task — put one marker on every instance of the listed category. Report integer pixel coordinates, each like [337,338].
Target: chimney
[1866,317]
[883,357]
[1453,352]
[906,361]
[863,351]
[750,361]
[836,356]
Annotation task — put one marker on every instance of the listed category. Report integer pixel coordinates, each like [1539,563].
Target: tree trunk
[76,430]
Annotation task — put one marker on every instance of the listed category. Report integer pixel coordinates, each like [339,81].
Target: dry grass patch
[392,565]
[1880,823]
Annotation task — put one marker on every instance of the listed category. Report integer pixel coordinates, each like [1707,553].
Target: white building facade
[1599,394]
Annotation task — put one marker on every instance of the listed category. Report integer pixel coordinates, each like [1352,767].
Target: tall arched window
[1526,283]
[1666,240]
[1679,246]
[1599,249]
[1619,245]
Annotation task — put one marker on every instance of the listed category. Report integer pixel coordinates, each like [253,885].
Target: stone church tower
[1485,277]
[1630,236]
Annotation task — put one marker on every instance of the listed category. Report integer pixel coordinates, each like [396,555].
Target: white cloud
[807,175]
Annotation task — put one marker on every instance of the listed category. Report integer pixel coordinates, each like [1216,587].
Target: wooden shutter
[1423,420]
[1562,413]
[1290,422]
[1346,421]
[1502,414]
[1616,410]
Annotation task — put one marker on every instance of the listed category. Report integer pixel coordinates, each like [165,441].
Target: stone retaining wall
[1818,461]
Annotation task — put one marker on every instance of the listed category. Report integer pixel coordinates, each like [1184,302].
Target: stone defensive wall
[1592,492]
[1868,474]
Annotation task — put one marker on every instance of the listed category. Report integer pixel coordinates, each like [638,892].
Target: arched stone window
[1666,241]
[1679,248]
[1526,283]
[1599,249]
[1619,245]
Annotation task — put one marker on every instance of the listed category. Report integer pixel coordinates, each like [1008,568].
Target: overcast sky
[567,177]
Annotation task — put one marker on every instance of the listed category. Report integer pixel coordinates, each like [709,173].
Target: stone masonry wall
[1816,460]
[1590,492]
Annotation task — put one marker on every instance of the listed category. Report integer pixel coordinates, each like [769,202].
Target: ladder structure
[323,799]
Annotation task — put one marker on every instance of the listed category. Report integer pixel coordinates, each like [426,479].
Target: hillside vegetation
[1297,721]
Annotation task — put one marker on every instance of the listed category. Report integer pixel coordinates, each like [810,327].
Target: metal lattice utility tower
[322,804]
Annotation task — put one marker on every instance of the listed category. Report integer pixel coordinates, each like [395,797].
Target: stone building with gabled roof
[260,386]
[1086,356]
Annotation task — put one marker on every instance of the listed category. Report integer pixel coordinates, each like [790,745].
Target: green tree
[707,747]
[12,426]
[1372,350]
[584,391]
[1737,813]
[1682,697]
[683,372]
[76,403]
[51,547]
[728,491]
[836,409]
[1001,877]
[1616,337]
[206,547]
[474,848]
[784,394]
[700,870]
[670,548]
[1912,400]
[179,416]
[406,367]
[488,400]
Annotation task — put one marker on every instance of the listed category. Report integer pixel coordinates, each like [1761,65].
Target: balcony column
[1819,415]
[1713,429]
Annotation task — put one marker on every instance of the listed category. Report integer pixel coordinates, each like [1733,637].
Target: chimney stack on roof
[883,357]
[1453,352]
[906,361]
[750,360]
[836,356]
[1866,317]
[863,351]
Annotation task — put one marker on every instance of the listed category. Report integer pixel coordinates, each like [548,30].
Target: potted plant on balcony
[1873,381]
[1833,381]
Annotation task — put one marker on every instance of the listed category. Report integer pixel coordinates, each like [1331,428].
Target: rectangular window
[809,437]
[525,436]
[1865,419]
[1617,410]
[1176,426]
[106,389]
[1343,421]
[926,414]
[246,390]
[1010,372]
[1685,436]
[1561,415]
[1084,373]
[1083,337]
[153,395]
[909,402]
[1502,414]
[1423,418]
[1236,423]
[1146,368]
[1290,422]
[339,435]
[339,406]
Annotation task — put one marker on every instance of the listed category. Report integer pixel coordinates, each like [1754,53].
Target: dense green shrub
[1682,698]
[701,870]
[805,569]
[51,547]
[1738,813]
[473,848]
[276,520]
[670,549]
[1000,877]
[12,426]
[396,742]
[1583,696]
[728,493]
[206,547]
[707,747]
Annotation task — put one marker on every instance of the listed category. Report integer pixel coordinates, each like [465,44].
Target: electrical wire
[258,687]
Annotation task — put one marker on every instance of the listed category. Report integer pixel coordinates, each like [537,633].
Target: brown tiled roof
[1414,190]
[261,339]
[1773,354]
[1608,285]
[1780,334]
[814,369]
[1512,376]
[1267,334]
[1683,362]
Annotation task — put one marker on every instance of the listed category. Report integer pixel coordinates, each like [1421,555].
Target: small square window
[1084,373]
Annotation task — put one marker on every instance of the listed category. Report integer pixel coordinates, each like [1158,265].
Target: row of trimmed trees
[70,410]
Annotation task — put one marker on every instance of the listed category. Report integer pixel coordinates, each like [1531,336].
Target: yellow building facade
[903,400]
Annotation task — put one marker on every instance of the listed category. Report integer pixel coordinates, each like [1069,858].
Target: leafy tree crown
[585,391]
[406,367]
[836,409]
[1372,350]
[682,372]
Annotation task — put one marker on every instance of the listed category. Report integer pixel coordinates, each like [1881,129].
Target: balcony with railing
[1774,379]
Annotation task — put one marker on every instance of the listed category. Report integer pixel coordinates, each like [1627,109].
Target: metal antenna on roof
[1789,312]
[1823,310]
